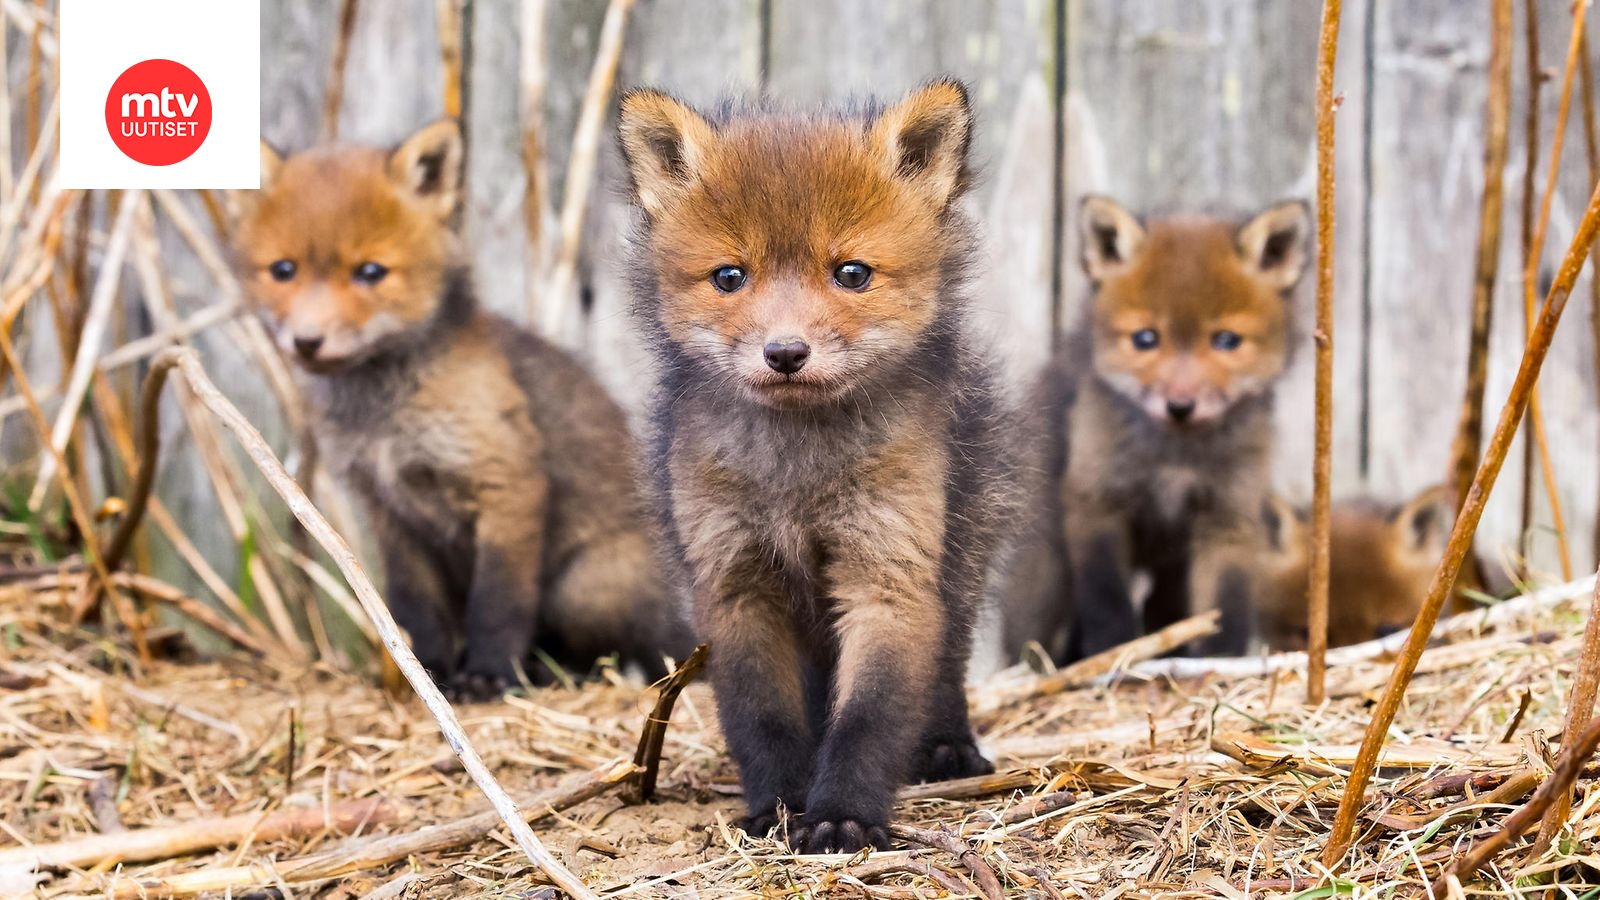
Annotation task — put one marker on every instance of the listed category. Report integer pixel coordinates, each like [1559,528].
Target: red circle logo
[158,112]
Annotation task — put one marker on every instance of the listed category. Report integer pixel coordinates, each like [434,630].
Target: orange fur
[1382,559]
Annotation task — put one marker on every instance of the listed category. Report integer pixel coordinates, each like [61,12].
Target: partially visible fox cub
[1381,559]
[828,457]
[498,474]
[1156,423]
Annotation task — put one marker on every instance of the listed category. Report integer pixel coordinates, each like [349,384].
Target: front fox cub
[497,473]
[1382,557]
[1157,424]
[829,465]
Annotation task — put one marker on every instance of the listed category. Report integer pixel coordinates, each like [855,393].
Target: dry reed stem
[75,503]
[188,364]
[224,474]
[1496,145]
[534,78]
[94,330]
[1322,459]
[447,18]
[648,757]
[1591,146]
[34,86]
[1530,275]
[1580,708]
[581,168]
[1086,670]
[1530,152]
[11,214]
[1461,535]
[1575,752]
[203,834]
[333,96]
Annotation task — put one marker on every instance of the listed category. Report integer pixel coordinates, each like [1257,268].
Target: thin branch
[958,847]
[1530,276]
[1580,707]
[203,834]
[1591,144]
[1466,525]
[582,165]
[1322,460]
[333,95]
[535,78]
[1496,144]
[447,18]
[1530,162]
[188,364]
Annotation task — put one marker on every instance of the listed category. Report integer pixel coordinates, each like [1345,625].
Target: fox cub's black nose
[1180,410]
[787,358]
[307,347]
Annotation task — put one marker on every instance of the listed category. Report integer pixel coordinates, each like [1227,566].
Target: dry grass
[1136,787]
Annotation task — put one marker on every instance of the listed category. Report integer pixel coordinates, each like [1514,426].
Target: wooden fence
[1160,103]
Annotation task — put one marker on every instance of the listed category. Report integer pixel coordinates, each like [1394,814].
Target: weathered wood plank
[1429,86]
[838,50]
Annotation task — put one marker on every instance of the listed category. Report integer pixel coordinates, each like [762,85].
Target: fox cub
[1157,429]
[828,462]
[497,472]
[1382,558]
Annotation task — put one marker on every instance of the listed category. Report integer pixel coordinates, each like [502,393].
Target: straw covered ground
[193,776]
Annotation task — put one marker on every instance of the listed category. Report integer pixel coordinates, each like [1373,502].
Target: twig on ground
[1086,670]
[1580,708]
[648,757]
[981,871]
[1575,752]
[166,841]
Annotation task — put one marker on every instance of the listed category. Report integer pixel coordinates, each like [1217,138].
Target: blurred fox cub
[829,465]
[1382,558]
[497,472]
[1155,426]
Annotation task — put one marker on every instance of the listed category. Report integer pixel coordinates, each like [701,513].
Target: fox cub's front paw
[475,687]
[950,756]
[837,834]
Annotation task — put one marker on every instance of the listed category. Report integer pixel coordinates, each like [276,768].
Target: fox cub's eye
[1226,340]
[283,270]
[728,279]
[370,272]
[853,275]
[1146,339]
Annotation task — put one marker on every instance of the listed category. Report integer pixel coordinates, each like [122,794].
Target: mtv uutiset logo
[160,93]
[158,112]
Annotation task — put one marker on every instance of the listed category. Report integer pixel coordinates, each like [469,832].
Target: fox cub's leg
[1099,553]
[883,575]
[948,748]
[1222,580]
[503,601]
[419,596]
[742,609]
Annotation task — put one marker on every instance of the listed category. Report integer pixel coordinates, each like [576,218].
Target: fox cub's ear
[1276,243]
[1422,526]
[1111,236]
[665,143]
[925,138]
[1284,524]
[428,166]
[240,203]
